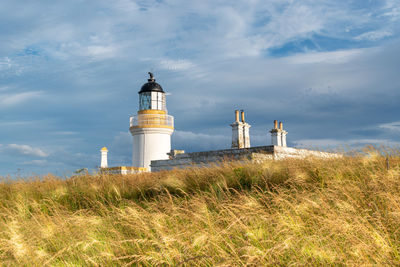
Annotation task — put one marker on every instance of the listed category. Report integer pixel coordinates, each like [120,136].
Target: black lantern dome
[151,85]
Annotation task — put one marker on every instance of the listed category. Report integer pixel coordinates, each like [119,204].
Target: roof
[151,85]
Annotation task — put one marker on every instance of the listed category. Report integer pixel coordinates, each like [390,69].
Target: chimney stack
[240,132]
[278,135]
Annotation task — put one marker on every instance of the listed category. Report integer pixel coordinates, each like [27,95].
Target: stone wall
[291,152]
[254,154]
[210,157]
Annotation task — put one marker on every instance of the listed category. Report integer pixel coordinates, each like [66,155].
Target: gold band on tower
[152,111]
[152,119]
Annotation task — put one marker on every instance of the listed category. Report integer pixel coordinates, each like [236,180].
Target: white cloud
[180,64]
[10,67]
[125,6]
[336,57]
[26,150]
[65,133]
[297,19]
[5,63]
[392,9]
[333,143]
[101,52]
[393,126]
[374,35]
[8,100]
[15,123]
[36,162]
[222,29]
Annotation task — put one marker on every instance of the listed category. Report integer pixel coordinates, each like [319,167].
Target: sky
[70,72]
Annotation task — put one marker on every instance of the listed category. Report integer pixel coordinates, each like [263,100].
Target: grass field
[343,211]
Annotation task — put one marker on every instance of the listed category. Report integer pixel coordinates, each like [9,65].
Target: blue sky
[70,72]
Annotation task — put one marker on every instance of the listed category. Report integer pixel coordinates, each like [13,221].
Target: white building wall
[283,138]
[276,138]
[246,135]
[150,144]
[237,135]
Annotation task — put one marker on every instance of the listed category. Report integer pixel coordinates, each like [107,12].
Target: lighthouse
[152,127]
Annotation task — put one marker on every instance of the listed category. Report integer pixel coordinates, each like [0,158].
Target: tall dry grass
[342,211]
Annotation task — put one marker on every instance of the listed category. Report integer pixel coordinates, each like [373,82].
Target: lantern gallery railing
[152,120]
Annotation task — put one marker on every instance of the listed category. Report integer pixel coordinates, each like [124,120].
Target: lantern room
[152,96]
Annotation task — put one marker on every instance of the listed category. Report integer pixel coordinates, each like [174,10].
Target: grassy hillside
[301,212]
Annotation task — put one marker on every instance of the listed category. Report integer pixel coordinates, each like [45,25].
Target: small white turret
[278,135]
[104,161]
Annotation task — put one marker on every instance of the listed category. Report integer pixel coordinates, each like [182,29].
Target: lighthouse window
[145,101]
[157,100]
[164,107]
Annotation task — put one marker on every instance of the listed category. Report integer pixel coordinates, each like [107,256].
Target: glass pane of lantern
[148,99]
[144,101]
[158,101]
[157,105]
[163,105]
[153,100]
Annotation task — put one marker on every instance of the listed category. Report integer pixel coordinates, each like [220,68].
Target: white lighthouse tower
[152,127]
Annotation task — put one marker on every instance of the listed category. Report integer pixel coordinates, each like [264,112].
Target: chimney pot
[275,124]
[236,115]
[280,125]
[242,111]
